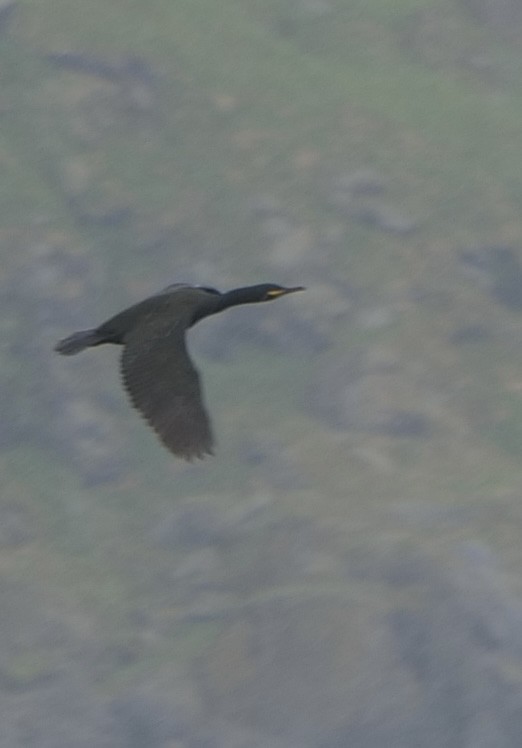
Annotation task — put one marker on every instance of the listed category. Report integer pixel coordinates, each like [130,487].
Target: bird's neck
[238,296]
[219,302]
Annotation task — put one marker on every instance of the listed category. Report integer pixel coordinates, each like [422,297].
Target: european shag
[155,366]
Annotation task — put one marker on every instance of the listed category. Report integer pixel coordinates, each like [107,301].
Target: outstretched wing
[163,385]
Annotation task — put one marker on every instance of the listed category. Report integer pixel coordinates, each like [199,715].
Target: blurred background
[345,572]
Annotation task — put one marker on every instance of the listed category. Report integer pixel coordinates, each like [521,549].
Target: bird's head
[216,302]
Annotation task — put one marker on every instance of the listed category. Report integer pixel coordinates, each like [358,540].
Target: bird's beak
[276,292]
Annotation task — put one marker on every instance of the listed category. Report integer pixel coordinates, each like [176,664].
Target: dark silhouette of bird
[155,366]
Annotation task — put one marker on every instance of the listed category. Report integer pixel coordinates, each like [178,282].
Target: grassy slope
[241,104]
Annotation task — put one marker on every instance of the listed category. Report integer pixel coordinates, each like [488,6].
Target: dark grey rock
[497,269]
[360,182]
[269,464]
[385,218]
[457,638]
[406,424]
[469,334]
[157,713]
[7,14]
[132,66]
[195,523]
[336,393]
[207,521]
[83,62]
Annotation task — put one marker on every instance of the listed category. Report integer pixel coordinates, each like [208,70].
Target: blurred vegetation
[255,98]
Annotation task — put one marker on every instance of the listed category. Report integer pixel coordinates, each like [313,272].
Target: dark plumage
[156,369]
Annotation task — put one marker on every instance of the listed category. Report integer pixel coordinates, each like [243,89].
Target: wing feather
[164,386]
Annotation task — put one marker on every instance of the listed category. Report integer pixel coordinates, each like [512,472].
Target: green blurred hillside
[368,150]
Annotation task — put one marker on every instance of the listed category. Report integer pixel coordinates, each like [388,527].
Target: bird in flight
[155,366]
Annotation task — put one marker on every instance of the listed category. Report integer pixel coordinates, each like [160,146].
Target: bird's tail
[77,342]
